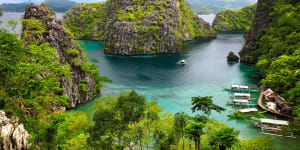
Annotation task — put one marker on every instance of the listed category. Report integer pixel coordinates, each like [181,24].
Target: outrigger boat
[240,102]
[273,126]
[241,88]
[246,113]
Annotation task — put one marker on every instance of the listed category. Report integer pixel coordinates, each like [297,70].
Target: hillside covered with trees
[272,43]
[236,20]
[138,27]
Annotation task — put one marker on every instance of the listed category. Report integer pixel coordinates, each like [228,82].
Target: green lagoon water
[172,86]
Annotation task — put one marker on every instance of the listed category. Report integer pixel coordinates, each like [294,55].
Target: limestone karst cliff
[13,136]
[234,20]
[256,31]
[39,26]
[131,27]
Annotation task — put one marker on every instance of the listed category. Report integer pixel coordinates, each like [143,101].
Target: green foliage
[224,138]
[237,20]
[205,104]
[278,53]
[146,21]
[259,143]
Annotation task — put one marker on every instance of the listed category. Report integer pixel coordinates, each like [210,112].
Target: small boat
[240,102]
[245,96]
[272,127]
[181,62]
[240,88]
[246,113]
[248,110]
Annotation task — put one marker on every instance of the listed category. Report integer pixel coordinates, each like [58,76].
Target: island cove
[54,74]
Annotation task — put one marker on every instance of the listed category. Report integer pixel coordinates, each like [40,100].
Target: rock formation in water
[256,31]
[40,25]
[237,20]
[131,27]
[232,57]
[13,136]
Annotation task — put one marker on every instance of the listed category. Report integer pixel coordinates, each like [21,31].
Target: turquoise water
[172,86]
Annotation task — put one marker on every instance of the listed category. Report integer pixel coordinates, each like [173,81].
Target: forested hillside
[273,44]
[131,27]
[236,20]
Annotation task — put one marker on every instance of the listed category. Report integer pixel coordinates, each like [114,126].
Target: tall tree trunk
[196,144]
[183,143]
[199,144]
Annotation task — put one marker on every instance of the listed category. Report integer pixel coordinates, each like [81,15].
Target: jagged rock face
[237,20]
[13,134]
[260,22]
[57,36]
[232,57]
[141,27]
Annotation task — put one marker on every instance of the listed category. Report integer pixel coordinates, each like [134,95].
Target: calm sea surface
[172,86]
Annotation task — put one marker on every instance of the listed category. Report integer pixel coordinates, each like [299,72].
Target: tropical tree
[224,138]
[180,122]
[205,105]
[194,130]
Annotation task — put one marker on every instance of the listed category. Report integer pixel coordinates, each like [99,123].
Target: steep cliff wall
[13,136]
[131,27]
[39,26]
[273,44]
[238,20]
[256,31]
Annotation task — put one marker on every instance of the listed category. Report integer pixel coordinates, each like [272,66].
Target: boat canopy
[239,86]
[275,122]
[248,110]
[244,87]
[240,100]
[241,95]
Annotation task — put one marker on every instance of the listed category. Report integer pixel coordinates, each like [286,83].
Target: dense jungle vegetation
[279,51]
[236,20]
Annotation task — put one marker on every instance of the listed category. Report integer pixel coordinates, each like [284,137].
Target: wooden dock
[262,106]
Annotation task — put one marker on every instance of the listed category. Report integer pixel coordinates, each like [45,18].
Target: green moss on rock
[237,20]
[138,27]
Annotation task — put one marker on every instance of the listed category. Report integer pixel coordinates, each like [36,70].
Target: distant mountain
[56,5]
[214,6]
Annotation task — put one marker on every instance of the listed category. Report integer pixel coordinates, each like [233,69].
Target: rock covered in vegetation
[40,25]
[237,20]
[13,136]
[273,44]
[259,23]
[232,57]
[131,27]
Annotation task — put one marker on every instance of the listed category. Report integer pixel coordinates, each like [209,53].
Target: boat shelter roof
[242,94]
[240,100]
[248,110]
[276,122]
[236,86]
[244,87]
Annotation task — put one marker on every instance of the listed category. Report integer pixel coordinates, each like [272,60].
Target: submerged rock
[232,57]
[131,27]
[13,136]
[43,26]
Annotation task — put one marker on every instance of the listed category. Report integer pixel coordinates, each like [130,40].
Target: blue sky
[21,1]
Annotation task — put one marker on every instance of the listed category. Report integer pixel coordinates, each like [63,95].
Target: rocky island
[131,27]
[236,20]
